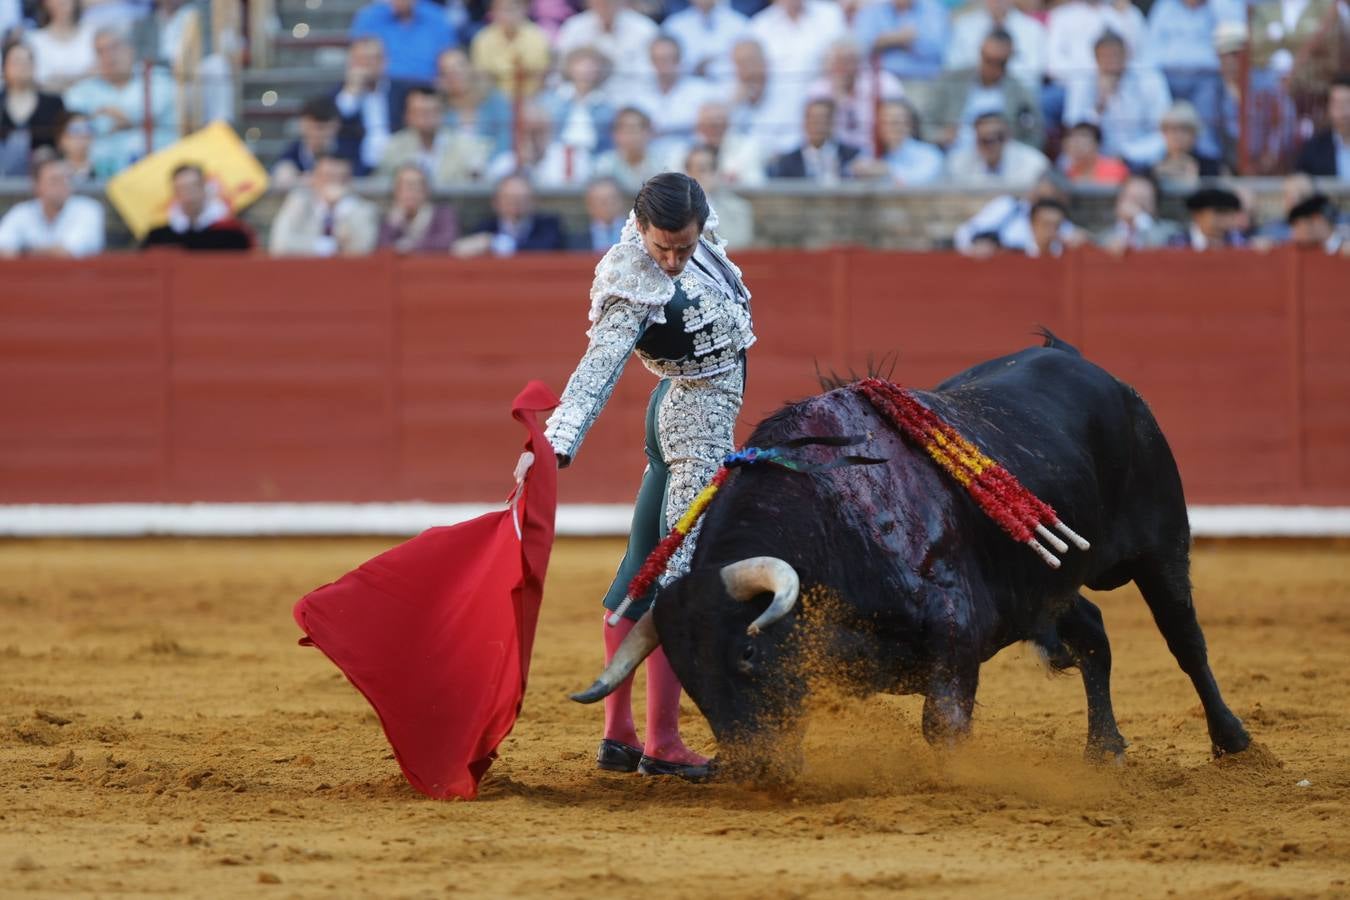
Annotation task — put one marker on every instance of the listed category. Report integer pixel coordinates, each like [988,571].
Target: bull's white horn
[751,577]
[636,646]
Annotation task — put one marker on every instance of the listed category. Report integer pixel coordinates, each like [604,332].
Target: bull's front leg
[949,701]
[954,671]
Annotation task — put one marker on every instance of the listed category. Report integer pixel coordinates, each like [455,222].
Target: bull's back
[1076,436]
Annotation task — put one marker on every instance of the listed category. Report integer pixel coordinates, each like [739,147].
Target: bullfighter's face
[672,250]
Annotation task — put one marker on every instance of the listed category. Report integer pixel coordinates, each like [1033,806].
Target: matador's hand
[523,466]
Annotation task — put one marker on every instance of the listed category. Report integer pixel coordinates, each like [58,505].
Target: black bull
[924,586]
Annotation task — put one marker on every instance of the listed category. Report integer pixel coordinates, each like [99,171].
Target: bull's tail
[1054,342]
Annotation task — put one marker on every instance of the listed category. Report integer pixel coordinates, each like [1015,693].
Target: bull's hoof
[1105,758]
[1234,743]
[1106,751]
[1228,736]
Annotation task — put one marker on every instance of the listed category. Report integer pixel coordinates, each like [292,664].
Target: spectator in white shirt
[795,35]
[668,96]
[115,100]
[63,45]
[902,158]
[632,160]
[447,156]
[821,157]
[74,144]
[1048,218]
[1136,226]
[580,104]
[11,15]
[1007,218]
[762,107]
[548,162]
[364,102]
[325,217]
[995,159]
[854,92]
[618,33]
[740,158]
[970,28]
[907,36]
[735,215]
[1127,103]
[706,31]
[962,94]
[119,14]
[1073,30]
[54,222]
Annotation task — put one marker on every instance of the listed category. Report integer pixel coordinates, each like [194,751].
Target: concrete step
[283,79]
[268,149]
[297,22]
[277,120]
[334,15]
[316,48]
[269,86]
[318,7]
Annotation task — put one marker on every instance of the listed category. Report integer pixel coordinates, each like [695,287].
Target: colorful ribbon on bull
[777,455]
[1020,513]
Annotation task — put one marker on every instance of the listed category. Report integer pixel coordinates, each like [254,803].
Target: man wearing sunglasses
[962,94]
[994,159]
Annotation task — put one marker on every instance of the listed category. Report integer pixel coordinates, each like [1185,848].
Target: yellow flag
[143,192]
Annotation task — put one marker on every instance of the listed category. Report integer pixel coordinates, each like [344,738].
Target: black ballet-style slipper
[616,756]
[650,765]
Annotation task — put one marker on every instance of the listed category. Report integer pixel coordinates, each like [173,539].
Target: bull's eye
[747,658]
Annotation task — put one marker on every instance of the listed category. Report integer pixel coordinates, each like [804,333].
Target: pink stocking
[619,705]
[663,714]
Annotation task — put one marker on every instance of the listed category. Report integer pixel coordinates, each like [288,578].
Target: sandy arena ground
[161,733]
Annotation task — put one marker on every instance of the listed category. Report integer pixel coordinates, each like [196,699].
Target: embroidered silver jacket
[630,296]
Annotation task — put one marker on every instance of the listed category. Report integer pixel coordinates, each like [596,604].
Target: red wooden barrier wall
[170,378]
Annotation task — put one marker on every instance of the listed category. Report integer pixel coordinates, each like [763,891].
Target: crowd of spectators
[1001,89]
[985,94]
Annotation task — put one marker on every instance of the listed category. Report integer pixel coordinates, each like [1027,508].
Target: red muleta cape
[437,632]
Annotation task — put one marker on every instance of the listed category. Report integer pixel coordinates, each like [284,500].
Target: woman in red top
[1083,162]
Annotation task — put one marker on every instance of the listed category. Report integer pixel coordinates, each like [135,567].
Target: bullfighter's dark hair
[670,201]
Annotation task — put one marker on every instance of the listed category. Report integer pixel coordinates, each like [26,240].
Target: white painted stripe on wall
[281,519]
